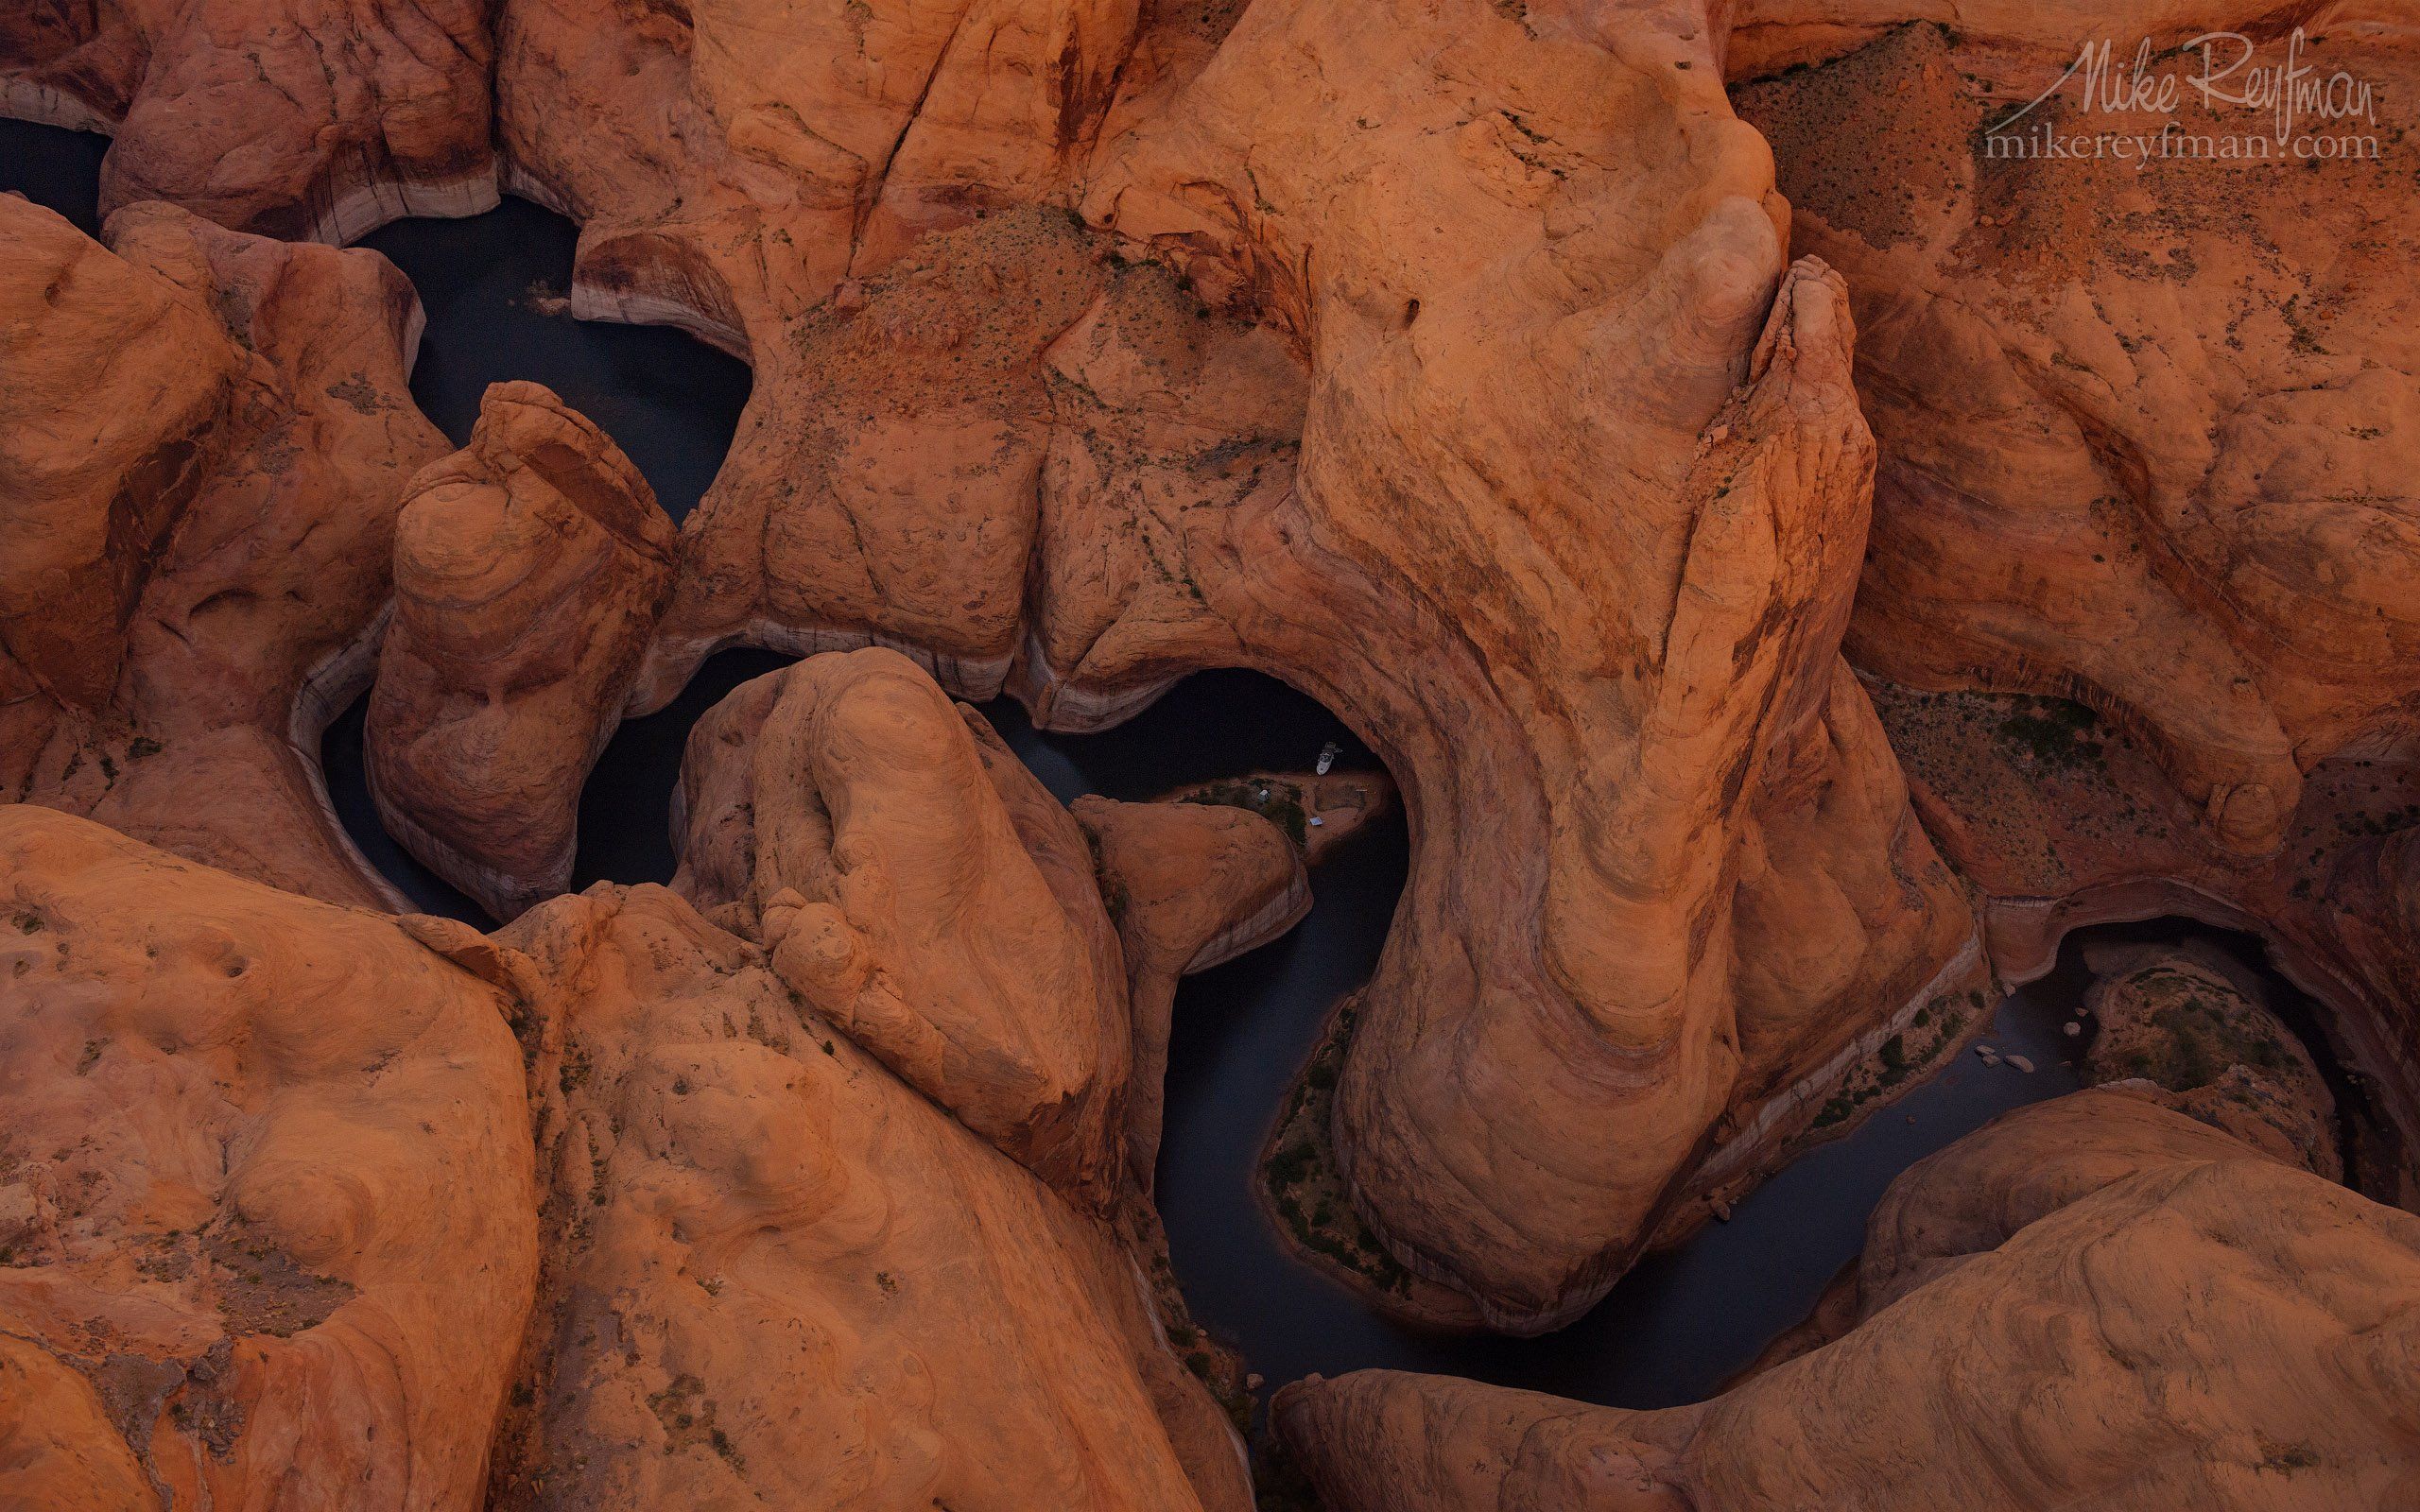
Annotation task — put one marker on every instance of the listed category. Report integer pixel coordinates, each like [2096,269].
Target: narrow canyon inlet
[1413,757]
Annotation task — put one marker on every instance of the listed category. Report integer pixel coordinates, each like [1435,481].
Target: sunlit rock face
[289,1219]
[529,570]
[1561,510]
[267,1200]
[205,438]
[2094,1302]
[843,812]
[1189,886]
[2139,600]
[779,1275]
[291,119]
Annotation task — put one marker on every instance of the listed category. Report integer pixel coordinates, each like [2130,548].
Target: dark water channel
[1670,1332]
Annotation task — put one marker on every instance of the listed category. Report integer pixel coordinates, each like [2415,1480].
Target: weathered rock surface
[733,162]
[2143,556]
[1022,445]
[2143,422]
[2188,1022]
[2061,821]
[1190,886]
[207,437]
[529,570]
[288,118]
[2092,1302]
[117,382]
[302,1269]
[779,1275]
[268,1221]
[841,812]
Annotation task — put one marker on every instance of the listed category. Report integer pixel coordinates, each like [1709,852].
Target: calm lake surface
[1674,1328]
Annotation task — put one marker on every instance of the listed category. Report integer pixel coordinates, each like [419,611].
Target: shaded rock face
[2143,423]
[1314,811]
[243,1137]
[844,812]
[781,1276]
[2061,821]
[2193,1026]
[1190,885]
[530,571]
[297,120]
[2139,604]
[143,374]
[207,437]
[1560,509]
[2094,1302]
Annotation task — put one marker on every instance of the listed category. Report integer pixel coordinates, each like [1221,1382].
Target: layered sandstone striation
[268,1230]
[2094,1301]
[207,438]
[779,1275]
[531,568]
[844,812]
[1080,455]
[296,120]
[2141,420]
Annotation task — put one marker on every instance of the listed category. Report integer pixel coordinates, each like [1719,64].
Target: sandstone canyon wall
[529,570]
[1075,380]
[2143,428]
[207,436]
[712,1243]
[1079,455]
[298,120]
[785,1277]
[2184,386]
[2094,1302]
[1642,478]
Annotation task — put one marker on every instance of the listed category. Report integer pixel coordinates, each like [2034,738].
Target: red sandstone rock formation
[1016,449]
[115,401]
[2144,423]
[841,812]
[1507,429]
[770,1267]
[2142,427]
[290,119]
[268,1225]
[2060,820]
[2093,1302]
[1188,886]
[777,1273]
[206,438]
[529,570]
[2192,1022]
